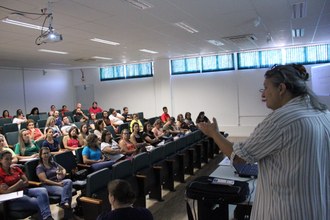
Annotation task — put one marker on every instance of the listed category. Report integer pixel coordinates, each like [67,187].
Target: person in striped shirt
[291,146]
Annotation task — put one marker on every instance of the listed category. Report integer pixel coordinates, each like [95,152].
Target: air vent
[246,41]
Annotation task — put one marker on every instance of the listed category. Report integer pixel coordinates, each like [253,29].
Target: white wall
[26,88]
[232,97]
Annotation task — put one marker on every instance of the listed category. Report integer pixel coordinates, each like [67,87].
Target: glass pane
[248,60]
[210,63]
[318,53]
[192,64]
[178,66]
[270,57]
[295,55]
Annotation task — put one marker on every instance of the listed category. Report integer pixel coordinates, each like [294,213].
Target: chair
[99,115]
[9,127]
[78,124]
[96,199]
[113,133]
[152,120]
[157,159]
[80,161]
[68,161]
[142,166]
[30,172]
[34,117]
[5,121]
[69,113]
[12,138]
[141,116]
[24,125]
[122,127]
[124,170]
[39,143]
[41,123]
[43,116]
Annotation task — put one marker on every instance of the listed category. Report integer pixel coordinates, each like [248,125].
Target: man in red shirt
[95,109]
[165,116]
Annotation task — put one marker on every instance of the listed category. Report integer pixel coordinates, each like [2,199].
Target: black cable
[23,12]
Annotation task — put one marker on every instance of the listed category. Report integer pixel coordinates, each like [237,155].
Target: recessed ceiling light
[140,4]
[299,32]
[215,42]
[102,58]
[52,51]
[22,24]
[105,41]
[148,51]
[186,27]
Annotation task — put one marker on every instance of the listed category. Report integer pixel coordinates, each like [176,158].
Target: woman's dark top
[53,147]
[128,213]
[151,135]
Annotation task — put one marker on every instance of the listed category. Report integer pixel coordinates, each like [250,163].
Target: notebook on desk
[246,170]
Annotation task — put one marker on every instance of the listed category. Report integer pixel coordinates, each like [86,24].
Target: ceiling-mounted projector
[51,36]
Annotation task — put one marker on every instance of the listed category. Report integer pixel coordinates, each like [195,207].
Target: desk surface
[9,196]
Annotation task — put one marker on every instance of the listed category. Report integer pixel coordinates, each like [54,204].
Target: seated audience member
[4,147]
[34,133]
[137,140]
[72,141]
[202,118]
[105,118]
[84,132]
[26,148]
[52,110]
[58,119]
[51,143]
[135,120]
[121,198]
[34,111]
[66,125]
[80,116]
[50,123]
[19,111]
[52,176]
[149,136]
[99,127]
[92,154]
[157,129]
[64,109]
[188,120]
[126,115]
[115,118]
[12,179]
[19,119]
[5,114]
[171,128]
[180,123]
[126,146]
[92,120]
[165,116]
[95,108]
[110,147]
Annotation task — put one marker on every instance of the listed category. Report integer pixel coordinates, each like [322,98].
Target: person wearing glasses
[291,146]
[110,147]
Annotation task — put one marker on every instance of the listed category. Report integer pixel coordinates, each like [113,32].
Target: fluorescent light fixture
[299,32]
[215,42]
[148,51]
[140,4]
[299,10]
[52,51]
[102,58]
[186,27]
[22,24]
[105,41]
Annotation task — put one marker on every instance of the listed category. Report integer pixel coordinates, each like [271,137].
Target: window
[138,70]
[218,63]
[112,72]
[185,65]
[126,71]
[267,58]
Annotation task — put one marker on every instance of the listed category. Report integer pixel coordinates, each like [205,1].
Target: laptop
[246,170]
